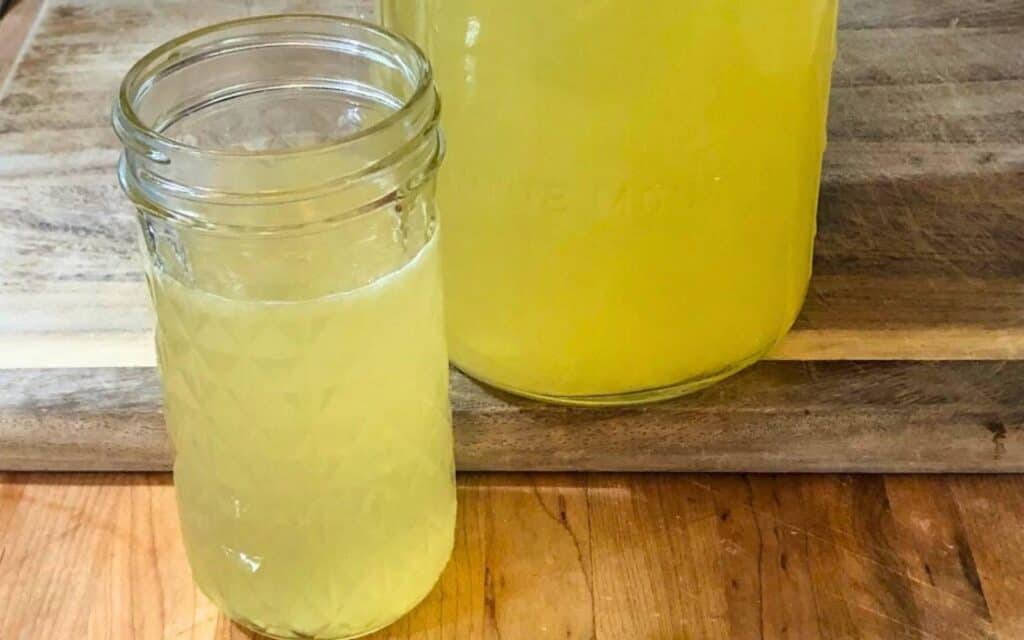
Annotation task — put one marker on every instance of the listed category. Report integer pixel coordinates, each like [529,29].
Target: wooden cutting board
[907,357]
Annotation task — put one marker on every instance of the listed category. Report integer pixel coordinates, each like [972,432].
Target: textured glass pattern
[313,448]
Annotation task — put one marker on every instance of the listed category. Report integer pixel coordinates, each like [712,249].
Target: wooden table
[907,357]
[605,556]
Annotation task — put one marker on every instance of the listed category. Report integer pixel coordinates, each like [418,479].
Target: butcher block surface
[907,356]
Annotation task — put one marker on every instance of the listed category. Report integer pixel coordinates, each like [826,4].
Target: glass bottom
[626,398]
[263,633]
[286,635]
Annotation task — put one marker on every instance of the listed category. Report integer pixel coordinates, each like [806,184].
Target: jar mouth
[136,134]
[247,124]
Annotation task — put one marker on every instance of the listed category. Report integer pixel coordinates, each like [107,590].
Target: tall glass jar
[283,172]
[630,197]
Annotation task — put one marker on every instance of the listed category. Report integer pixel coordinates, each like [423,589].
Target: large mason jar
[283,173]
[630,198]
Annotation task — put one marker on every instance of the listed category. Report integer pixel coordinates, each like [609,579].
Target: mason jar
[283,169]
[630,198]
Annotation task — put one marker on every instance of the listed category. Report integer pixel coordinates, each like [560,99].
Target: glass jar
[630,197]
[283,172]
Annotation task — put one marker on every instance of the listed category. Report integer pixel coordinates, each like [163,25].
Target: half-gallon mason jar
[283,171]
[629,204]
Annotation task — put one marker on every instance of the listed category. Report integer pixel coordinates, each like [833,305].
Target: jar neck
[276,123]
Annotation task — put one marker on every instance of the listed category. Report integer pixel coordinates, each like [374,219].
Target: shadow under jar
[630,195]
[283,172]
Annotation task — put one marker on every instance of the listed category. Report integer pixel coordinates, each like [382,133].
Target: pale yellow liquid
[630,190]
[314,467]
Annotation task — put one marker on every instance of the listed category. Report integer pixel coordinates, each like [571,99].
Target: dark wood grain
[604,557]
[825,416]
[992,513]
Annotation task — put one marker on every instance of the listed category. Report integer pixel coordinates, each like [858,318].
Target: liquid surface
[313,468]
[630,190]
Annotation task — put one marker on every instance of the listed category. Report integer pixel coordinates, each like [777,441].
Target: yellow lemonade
[630,192]
[313,467]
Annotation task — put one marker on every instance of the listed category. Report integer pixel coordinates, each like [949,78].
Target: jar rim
[126,119]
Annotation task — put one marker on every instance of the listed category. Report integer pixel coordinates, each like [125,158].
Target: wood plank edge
[135,349]
[780,417]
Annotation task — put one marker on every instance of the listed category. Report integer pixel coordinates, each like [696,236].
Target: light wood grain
[15,27]
[826,416]
[607,557]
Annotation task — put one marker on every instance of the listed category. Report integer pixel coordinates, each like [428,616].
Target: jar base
[263,633]
[627,398]
[287,635]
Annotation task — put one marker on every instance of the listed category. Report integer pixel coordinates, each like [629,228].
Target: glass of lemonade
[283,173]
[630,197]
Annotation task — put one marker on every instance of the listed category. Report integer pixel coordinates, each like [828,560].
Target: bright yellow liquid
[630,190]
[314,467]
